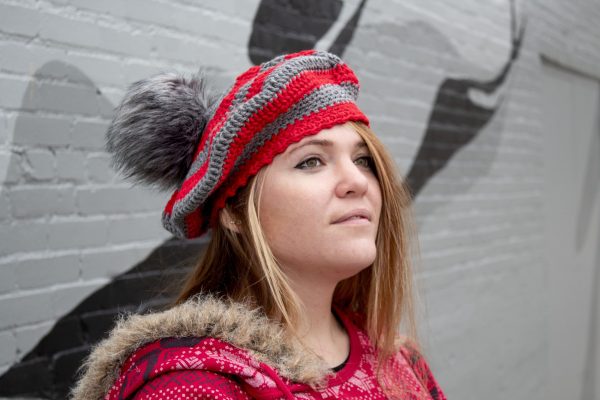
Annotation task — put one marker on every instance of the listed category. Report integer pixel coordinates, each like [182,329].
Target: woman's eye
[365,162]
[312,162]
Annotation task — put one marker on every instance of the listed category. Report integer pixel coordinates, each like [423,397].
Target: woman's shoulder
[151,337]
[202,334]
[173,366]
[410,353]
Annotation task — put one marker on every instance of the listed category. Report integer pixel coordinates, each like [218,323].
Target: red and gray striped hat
[208,149]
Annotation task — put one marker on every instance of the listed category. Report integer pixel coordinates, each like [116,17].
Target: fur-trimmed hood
[234,323]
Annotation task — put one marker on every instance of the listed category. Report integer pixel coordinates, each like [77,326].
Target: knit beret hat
[168,132]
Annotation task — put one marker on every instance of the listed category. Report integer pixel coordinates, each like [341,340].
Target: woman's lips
[354,217]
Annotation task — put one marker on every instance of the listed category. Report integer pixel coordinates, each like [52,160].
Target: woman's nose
[351,179]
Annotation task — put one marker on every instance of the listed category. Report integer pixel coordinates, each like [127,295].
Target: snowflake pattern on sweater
[209,368]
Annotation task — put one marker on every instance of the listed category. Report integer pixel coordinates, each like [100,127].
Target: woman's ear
[230,222]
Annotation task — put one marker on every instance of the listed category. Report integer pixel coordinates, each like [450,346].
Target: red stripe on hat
[169,207]
[309,125]
[193,224]
[217,121]
[191,182]
[302,84]
[257,85]
[246,76]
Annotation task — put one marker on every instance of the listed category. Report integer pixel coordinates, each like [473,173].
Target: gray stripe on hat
[242,92]
[170,225]
[277,80]
[237,99]
[320,98]
[265,66]
[236,119]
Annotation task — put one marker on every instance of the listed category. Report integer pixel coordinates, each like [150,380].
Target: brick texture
[75,237]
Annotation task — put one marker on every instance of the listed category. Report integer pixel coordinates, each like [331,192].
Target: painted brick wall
[69,227]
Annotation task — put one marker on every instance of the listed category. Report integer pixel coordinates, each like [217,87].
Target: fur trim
[156,129]
[235,323]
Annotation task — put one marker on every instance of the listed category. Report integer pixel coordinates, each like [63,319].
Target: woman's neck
[319,329]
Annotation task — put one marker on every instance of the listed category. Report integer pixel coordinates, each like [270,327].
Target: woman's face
[320,206]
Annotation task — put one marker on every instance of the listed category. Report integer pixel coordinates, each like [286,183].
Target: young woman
[307,276]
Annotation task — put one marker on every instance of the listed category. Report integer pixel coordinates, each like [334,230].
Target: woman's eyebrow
[317,142]
[324,143]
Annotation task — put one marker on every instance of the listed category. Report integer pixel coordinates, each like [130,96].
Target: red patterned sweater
[236,354]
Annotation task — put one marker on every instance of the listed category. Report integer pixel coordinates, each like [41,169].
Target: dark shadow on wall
[343,39]
[289,26]
[49,369]
[455,120]
[56,87]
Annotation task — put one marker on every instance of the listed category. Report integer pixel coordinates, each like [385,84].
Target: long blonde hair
[240,266]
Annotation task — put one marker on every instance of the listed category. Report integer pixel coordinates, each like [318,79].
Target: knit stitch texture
[269,107]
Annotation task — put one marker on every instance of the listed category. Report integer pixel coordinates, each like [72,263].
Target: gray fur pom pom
[157,127]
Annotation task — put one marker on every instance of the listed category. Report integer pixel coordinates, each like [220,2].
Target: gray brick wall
[69,225]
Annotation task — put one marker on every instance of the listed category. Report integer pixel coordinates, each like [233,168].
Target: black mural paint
[455,120]
[50,369]
[290,26]
[341,42]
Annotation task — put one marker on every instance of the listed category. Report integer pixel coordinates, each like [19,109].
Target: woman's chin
[354,260]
